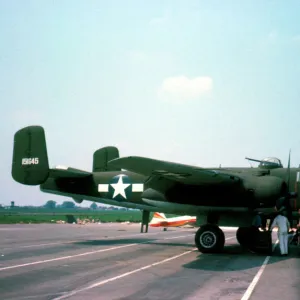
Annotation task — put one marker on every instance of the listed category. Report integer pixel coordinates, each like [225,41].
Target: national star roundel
[120,188]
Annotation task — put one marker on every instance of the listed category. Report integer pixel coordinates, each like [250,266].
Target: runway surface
[115,261]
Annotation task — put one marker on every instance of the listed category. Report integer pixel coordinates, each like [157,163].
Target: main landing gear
[254,240]
[145,220]
[210,239]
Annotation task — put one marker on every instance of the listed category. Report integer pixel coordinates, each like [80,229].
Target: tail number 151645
[30,161]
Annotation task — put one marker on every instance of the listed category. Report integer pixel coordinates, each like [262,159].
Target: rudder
[30,164]
[158,215]
[102,156]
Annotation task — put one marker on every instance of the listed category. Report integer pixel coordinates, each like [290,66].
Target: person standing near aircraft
[257,222]
[254,229]
[283,225]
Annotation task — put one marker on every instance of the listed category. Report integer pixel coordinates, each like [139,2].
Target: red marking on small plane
[160,220]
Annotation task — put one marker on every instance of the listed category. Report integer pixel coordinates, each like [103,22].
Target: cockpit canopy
[270,162]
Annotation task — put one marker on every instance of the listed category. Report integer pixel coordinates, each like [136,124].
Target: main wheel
[209,239]
[242,236]
[254,240]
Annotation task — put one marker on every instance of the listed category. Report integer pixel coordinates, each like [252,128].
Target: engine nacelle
[77,199]
[266,189]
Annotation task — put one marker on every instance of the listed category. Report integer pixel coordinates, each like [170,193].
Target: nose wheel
[210,239]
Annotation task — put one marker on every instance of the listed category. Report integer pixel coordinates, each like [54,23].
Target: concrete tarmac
[115,261]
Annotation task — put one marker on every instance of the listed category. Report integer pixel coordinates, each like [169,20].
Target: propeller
[282,202]
[290,195]
[288,174]
[288,177]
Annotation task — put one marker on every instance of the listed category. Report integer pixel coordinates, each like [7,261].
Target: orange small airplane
[160,220]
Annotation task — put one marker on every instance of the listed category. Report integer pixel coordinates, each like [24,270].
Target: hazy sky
[198,82]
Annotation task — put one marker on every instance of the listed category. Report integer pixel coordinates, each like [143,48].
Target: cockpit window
[271,161]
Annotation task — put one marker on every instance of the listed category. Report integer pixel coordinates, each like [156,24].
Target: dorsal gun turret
[268,162]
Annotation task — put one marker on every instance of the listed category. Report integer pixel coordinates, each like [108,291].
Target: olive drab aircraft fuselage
[217,196]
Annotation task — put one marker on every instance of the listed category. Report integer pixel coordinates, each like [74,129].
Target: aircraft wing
[174,172]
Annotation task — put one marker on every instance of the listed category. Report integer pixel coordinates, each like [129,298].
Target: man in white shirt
[283,225]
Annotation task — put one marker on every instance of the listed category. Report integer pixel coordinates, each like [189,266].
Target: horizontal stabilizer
[65,172]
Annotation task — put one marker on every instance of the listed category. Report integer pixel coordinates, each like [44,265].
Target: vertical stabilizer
[101,158]
[30,159]
[160,216]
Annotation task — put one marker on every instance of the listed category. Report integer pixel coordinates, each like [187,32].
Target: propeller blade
[289,171]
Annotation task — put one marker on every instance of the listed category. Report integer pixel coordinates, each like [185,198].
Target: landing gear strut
[210,239]
[145,220]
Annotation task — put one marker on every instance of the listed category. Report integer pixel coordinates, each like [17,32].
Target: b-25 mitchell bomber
[217,196]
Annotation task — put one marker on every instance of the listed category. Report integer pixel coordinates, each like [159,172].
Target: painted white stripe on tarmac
[110,237]
[123,275]
[77,241]
[87,253]
[255,280]
[39,245]
[126,274]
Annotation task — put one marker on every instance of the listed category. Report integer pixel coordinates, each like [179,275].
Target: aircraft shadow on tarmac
[226,261]
[229,250]
[107,242]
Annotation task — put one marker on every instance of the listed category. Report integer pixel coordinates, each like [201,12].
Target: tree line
[51,204]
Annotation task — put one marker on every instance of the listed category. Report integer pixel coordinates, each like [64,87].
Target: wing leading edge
[181,173]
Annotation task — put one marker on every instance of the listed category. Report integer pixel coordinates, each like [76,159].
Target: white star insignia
[120,187]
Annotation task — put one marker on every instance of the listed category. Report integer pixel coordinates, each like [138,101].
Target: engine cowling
[266,189]
[77,199]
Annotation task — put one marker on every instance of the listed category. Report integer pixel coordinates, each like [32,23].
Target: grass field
[51,217]
[40,215]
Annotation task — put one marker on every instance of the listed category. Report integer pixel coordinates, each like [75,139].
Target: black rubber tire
[209,239]
[242,236]
[248,239]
